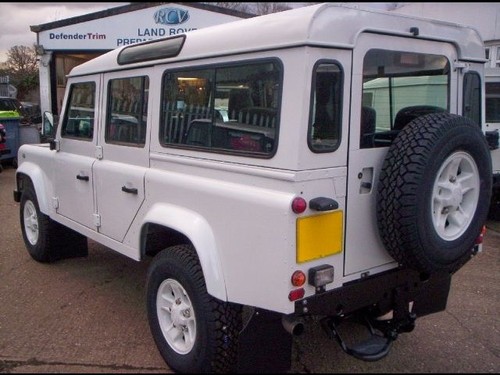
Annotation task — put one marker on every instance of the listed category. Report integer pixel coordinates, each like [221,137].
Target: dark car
[10,104]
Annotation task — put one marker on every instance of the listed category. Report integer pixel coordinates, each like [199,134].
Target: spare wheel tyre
[433,192]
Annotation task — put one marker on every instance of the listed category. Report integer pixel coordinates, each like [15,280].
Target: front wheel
[45,239]
[35,227]
[193,331]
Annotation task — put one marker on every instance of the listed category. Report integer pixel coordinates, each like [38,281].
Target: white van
[253,163]
[492,95]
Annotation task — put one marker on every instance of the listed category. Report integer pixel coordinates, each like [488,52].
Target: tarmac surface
[88,315]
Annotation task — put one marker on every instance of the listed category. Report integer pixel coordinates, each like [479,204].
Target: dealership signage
[132,27]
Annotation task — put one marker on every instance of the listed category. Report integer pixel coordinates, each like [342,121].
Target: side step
[374,348]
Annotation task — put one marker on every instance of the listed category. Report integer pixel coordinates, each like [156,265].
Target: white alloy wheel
[455,195]
[30,219]
[176,316]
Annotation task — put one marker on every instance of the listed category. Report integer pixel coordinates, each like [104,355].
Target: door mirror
[48,129]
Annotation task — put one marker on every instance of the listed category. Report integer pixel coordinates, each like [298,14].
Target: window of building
[492,101]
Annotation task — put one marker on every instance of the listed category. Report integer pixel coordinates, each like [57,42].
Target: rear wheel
[193,331]
[434,192]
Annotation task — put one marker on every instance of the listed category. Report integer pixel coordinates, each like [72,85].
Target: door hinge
[464,67]
[97,220]
[55,203]
[98,152]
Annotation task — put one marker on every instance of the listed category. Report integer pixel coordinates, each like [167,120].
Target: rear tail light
[299,205]
[480,238]
[296,294]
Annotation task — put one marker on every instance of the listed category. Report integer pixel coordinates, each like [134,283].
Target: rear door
[389,73]
[121,166]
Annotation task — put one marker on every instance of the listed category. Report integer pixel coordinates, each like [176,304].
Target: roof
[131,8]
[311,25]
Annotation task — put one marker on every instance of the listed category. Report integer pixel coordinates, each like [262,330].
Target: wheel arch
[192,226]
[38,178]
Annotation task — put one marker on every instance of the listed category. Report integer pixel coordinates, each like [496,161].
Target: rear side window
[127,111]
[326,105]
[399,86]
[79,118]
[227,109]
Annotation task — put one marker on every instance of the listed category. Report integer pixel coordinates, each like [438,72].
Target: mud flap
[70,244]
[264,345]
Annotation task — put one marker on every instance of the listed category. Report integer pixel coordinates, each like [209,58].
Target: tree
[253,8]
[22,68]
[240,7]
[267,8]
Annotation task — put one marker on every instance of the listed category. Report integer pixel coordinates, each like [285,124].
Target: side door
[390,74]
[77,136]
[124,152]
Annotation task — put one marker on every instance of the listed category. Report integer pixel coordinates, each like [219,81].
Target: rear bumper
[385,290]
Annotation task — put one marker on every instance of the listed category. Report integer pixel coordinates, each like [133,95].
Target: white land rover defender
[315,165]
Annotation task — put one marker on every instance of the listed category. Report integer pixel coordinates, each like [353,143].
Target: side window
[472,97]
[223,109]
[79,117]
[127,111]
[398,87]
[326,105]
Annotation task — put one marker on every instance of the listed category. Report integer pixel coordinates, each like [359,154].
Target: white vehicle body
[492,77]
[233,204]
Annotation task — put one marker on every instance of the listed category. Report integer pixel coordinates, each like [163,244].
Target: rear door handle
[82,178]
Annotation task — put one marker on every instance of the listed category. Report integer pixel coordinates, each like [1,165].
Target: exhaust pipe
[292,325]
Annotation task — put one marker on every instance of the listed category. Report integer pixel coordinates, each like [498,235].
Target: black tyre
[433,193]
[45,239]
[193,331]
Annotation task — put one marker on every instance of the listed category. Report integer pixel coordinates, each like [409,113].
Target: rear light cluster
[299,205]
[480,238]
[318,277]
[298,279]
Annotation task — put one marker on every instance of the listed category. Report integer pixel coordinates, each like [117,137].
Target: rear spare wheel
[433,192]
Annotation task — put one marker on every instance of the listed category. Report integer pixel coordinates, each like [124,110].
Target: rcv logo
[171,16]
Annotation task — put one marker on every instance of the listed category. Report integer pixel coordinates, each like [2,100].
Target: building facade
[64,44]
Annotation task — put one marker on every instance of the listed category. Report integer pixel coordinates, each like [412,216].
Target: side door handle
[82,178]
[129,190]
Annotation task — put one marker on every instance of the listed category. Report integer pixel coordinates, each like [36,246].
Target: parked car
[13,107]
[10,107]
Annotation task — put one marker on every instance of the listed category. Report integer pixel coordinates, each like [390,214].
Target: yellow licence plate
[319,236]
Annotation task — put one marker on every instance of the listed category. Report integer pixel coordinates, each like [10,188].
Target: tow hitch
[381,333]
